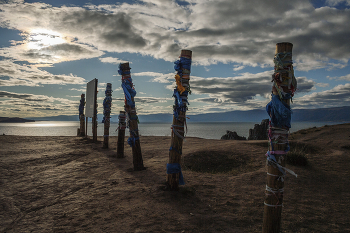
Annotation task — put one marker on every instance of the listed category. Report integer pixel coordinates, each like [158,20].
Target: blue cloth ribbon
[172,148]
[129,92]
[132,141]
[279,112]
[107,103]
[172,168]
[184,63]
[178,99]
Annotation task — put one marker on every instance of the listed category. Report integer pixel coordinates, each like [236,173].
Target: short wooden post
[282,92]
[183,68]
[86,127]
[134,139]
[107,103]
[121,134]
[94,118]
[81,115]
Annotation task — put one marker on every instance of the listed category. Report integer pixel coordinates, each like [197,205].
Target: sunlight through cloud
[41,38]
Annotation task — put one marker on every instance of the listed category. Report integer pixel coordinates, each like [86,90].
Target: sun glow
[42,38]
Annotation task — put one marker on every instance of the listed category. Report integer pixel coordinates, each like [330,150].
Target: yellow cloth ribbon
[180,88]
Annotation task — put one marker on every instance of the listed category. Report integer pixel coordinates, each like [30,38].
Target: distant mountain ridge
[14,120]
[336,114]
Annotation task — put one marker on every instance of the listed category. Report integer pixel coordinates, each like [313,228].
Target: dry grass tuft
[216,162]
[298,154]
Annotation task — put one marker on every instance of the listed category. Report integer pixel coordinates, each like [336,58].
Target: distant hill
[337,114]
[322,114]
[14,120]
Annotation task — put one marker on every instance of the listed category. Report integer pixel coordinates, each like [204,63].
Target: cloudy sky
[50,49]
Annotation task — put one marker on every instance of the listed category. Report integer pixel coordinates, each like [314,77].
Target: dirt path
[68,184]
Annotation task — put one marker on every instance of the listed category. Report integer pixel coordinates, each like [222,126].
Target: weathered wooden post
[284,86]
[129,92]
[94,118]
[121,134]
[107,103]
[86,127]
[82,116]
[183,68]
[91,106]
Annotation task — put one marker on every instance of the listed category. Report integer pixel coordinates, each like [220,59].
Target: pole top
[186,53]
[284,43]
[125,66]
[284,47]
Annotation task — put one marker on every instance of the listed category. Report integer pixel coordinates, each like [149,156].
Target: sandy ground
[69,184]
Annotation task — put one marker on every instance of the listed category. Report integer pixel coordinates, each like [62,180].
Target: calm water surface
[208,130]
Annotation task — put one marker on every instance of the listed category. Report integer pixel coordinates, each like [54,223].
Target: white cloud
[322,84]
[238,67]
[345,77]
[242,33]
[26,75]
[157,77]
[216,31]
[335,97]
[78,89]
[112,60]
[31,105]
[337,2]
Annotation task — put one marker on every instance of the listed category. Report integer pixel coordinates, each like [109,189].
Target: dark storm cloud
[241,89]
[50,109]
[110,29]
[5,94]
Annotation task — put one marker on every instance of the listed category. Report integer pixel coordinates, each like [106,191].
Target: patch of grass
[298,154]
[214,162]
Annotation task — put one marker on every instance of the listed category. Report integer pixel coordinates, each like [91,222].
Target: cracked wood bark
[176,142]
[272,215]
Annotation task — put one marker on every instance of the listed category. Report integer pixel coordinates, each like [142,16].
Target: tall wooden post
[107,103]
[134,139]
[121,134]
[280,117]
[183,68]
[94,118]
[82,116]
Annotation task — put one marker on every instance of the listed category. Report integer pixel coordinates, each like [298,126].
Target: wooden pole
[134,139]
[82,116]
[283,89]
[121,134]
[179,120]
[107,103]
[86,127]
[94,119]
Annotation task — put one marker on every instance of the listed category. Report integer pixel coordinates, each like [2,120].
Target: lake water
[208,130]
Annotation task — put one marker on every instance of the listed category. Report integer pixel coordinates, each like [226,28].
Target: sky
[50,49]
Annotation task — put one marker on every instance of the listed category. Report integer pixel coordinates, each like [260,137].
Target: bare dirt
[69,184]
